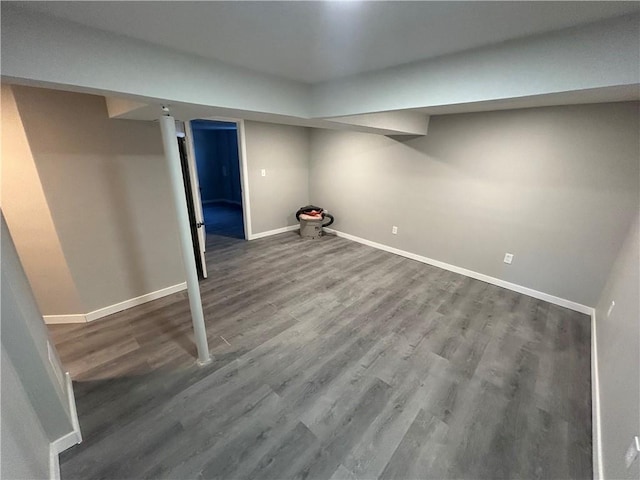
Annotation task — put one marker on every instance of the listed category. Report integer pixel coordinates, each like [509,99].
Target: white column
[172,156]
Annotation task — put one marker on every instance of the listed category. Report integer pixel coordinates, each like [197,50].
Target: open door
[194,205]
[195,195]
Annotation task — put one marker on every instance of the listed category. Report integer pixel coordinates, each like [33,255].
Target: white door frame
[244,169]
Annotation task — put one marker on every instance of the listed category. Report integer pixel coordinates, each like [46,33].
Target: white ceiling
[317,41]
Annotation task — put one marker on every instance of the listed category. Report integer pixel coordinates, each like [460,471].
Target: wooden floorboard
[332,360]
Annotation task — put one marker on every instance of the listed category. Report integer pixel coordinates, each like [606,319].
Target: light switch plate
[263,172]
[508,258]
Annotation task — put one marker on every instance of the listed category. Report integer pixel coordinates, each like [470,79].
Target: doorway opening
[214,169]
[215,147]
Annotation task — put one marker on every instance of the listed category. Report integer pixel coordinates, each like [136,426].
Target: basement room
[338,239]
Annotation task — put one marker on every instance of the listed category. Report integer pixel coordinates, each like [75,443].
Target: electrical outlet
[613,304]
[394,230]
[508,258]
[263,172]
[632,452]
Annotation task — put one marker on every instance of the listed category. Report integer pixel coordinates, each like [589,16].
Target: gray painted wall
[25,448]
[106,186]
[24,339]
[619,359]
[35,407]
[555,186]
[284,152]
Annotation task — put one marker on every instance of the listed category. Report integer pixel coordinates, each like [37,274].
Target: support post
[172,157]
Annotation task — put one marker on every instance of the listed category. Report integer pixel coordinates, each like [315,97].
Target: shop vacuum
[312,220]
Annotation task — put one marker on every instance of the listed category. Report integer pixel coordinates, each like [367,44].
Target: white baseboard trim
[74,437]
[133,302]
[55,319]
[115,308]
[596,426]
[469,273]
[268,233]
[66,441]
[54,463]
[70,439]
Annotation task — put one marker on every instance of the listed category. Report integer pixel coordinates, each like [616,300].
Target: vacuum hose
[312,208]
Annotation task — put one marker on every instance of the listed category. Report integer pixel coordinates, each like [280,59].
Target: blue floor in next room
[223,219]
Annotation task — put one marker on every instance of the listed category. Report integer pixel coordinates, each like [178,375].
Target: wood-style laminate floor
[332,361]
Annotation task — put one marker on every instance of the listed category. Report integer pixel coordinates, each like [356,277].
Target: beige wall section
[555,186]
[118,106]
[283,151]
[106,185]
[28,216]
[619,358]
